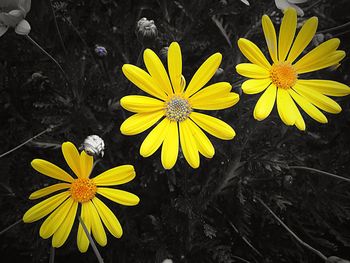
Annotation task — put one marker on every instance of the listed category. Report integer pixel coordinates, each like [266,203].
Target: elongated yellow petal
[96,225]
[48,190]
[175,66]
[203,74]
[119,196]
[115,176]
[218,103]
[254,86]
[285,107]
[188,144]
[51,170]
[204,145]
[86,164]
[140,122]
[155,138]
[157,71]
[62,233]
[270,37]
[309,108]
[82,239]
[326,87]
[303,38]
[213,126]
[137,103]
[213,91]
[287,33]
[319,53]
[299,120]
[170,148]
[254,71]
[319,100]
[253,53]
[72,157]
[108,218]
[265,103]
[143,81]
[53,221]
[45,207]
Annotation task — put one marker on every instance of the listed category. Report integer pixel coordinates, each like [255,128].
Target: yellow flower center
[83,190]
[283,75]
[177,109]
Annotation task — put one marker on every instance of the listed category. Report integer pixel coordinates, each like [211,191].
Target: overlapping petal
[51,170]
[270,37]
[48,190]
[140,122]
[188,144]
[253,53]
[287,33]
[82,239]
[204,145]
[265,103]
[115,176]
[175,67]
[326,87]
[96,225]
[170,148]
[86,164]
[285,107]
[254,86]
[254,71]
[72,157]
[119,196]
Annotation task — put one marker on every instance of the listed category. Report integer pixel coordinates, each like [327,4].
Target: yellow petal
[204,145]
[265,103]
[254,71]
[51,170]
[287,33]
[253,53]
[285,107]
[270,37]
[53,221]
[310,109]
[137,103]
[299,120]
[157,71]
[82,239]
[319,100]
[44,207]
[119,196]
[140,122]
[62,233]
[203,74]
[96,225]
[188,144]
[319,53]
[175,66]
[155,138]
[170,148]
[72,157]
[86,164]
[115,176]
[254,86]
[217,104]
[326,87]
[303,38]
[48,190]
[143,80]
[214,91]
[108,218]
[213,126]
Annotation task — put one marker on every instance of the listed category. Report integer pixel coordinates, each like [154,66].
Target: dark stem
[321,172]
[334,28]
[10,226]
[52,255]
[57,28]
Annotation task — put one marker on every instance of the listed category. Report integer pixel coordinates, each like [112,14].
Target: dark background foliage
[210,214]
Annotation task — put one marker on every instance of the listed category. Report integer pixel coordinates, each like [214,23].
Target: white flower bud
[93,145]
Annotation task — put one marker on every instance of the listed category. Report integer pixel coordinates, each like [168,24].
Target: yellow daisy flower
[173,107]
[281,80]
[81,190]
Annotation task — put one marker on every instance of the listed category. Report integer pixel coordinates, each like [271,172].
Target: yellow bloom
[63,206]
[281,80]
[173,107]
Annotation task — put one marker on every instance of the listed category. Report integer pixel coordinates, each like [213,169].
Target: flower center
[83,190]
[283,75]
[177,109]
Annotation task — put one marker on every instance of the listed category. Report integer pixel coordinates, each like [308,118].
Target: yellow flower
[281,80]
[173,107]
[63,206]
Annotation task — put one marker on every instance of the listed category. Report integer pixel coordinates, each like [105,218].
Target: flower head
[82,191]
[285,4]
[282,81]
[12,14]
[101,51]
[146,31]
[174,107]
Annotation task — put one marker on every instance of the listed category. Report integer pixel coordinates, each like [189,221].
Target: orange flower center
[177,109]
[83,190]
[283,75]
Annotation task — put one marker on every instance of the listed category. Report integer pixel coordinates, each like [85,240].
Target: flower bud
[23,28]
[100,51]
[146,31]
[93,145]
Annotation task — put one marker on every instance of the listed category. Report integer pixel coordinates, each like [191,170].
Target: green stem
[301,242]
[10,226]
[93,245]
[321,172]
